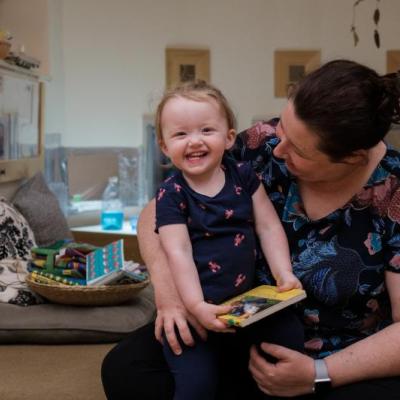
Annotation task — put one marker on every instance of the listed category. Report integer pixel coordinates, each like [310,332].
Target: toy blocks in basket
[71,263]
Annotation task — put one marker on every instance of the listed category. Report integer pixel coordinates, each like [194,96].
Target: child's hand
[287,281]
[207,313]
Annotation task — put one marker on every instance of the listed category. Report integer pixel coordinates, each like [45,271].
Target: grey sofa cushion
[58,324]
[40,207]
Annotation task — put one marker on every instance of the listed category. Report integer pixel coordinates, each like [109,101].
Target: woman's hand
[292,374]
[172,317]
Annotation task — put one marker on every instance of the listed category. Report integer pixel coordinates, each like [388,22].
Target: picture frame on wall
[292,65]
[393,65]
[392,61]
[183,65]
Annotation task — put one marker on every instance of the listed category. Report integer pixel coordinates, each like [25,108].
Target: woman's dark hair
[348,105]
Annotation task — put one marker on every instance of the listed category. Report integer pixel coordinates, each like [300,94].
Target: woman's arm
[170,309]
[176,243]
[273,240]
[376,356]
[392,280]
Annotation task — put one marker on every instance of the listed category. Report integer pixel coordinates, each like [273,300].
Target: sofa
[51,351]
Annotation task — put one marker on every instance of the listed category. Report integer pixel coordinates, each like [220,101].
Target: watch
[322,382]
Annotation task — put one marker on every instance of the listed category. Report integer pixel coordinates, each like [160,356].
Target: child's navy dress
[220,228]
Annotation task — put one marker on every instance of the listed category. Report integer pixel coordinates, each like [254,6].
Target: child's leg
[195,371]
[283,328]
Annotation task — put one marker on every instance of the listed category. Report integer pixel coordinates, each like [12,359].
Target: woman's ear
[230,139]
[359,157]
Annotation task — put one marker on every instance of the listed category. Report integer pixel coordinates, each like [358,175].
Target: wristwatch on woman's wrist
[322,382]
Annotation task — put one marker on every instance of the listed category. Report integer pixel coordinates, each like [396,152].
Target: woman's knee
[136,369]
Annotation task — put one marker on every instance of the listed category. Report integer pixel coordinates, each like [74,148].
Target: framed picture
[183,65]
[291,66]
[393,65]
[392,61]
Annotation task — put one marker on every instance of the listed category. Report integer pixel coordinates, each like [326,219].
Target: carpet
[60,372]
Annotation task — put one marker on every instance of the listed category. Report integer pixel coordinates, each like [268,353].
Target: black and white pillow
[16,237]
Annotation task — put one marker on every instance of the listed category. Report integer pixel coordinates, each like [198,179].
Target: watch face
[323,386]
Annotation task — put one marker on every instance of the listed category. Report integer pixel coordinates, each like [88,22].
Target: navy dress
[224,250]
[220,228]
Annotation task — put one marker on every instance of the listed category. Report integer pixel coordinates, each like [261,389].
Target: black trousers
[135,369]
[197,370]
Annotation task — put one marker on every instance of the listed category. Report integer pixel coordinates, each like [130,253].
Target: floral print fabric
[16,236]
[16,241]
[340,258]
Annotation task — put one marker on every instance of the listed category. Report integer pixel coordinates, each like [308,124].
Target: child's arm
[273,240]
[176,243]
[392,280]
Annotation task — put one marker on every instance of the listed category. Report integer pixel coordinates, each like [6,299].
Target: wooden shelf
[19,70]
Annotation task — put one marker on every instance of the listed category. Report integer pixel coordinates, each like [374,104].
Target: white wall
[114,58]
[55,93]
[108,57]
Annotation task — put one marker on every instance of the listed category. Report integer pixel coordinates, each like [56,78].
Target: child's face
[195,135]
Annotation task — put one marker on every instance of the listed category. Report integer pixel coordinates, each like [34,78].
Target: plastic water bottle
[112,215]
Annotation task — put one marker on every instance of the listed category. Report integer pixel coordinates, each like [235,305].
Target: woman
[336,187]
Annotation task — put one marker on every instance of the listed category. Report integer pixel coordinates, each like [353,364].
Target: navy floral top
[341,258]
[220,228]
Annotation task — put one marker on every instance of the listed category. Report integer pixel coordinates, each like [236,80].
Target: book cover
[103,262]
[258,303]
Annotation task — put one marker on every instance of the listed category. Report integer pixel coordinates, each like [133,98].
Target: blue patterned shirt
[341,258]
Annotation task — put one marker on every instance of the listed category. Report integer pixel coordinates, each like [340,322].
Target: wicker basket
[87,295]
[4,48]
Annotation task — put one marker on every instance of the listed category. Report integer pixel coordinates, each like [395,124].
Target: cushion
[16,237]
[59,324]
[40,207]
[13,288]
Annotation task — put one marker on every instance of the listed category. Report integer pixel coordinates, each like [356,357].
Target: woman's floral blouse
[340,258]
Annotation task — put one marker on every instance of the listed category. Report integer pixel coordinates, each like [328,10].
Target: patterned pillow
[16,237]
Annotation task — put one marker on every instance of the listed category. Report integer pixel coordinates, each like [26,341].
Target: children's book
[258,303]
[81,263]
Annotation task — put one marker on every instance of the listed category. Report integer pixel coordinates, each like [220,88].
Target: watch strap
[322,381]
[321,370]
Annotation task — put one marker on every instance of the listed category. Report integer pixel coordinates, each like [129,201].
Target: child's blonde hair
[198,91]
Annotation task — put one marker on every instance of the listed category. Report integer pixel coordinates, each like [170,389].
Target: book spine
[59,279]
[36,277]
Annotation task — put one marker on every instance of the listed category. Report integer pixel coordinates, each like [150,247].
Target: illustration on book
[259,302]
